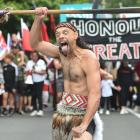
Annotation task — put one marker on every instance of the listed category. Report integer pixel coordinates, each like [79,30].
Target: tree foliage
[124,3]
[13,25]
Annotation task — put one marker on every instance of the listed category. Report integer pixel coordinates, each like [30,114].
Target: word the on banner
[111,39]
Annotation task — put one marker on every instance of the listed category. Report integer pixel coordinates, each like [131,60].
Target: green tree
[13,25]
[125,3]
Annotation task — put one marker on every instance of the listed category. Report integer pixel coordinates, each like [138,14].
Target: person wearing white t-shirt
[106,92]
[38,77]
[28,84]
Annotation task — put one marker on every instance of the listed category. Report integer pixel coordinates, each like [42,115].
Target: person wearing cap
[73,119]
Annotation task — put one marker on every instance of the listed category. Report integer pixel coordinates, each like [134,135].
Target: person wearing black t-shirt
[9,78]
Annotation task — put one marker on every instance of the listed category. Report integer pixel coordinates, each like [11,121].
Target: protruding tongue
[65,49]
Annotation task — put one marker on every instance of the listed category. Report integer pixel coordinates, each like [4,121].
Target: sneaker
[40,113]
[21,112]
[136,109]
[4,112]
[101,111]
[107,112]
[34,113]
[11,112]
[123,111]
[2,91]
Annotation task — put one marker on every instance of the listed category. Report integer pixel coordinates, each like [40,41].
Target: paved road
[116,127]
[121,127]
[25,127]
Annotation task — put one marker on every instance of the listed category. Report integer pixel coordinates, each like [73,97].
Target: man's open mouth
[64,48]
[64,44]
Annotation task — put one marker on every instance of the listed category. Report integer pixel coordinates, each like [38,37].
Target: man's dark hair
[37,53]
[81,43]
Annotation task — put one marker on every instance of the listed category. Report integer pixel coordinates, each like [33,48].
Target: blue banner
[83,6]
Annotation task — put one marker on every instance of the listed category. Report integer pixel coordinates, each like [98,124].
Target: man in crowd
[38,75]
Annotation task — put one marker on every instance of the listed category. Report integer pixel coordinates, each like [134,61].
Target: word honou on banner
[111,39]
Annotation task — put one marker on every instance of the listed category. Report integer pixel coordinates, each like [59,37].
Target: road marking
[134,113]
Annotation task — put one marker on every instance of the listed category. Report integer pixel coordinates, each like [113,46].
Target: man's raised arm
[36,35]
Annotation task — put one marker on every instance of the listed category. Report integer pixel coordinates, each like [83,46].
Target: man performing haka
[73,119]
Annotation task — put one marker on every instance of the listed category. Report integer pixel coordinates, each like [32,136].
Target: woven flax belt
[70,113]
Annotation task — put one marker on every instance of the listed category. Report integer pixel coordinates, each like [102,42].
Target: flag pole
[89,11]
[5,13]
[95,6]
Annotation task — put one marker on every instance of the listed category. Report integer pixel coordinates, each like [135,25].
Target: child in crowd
[106,93]
[136,93]
[28,84]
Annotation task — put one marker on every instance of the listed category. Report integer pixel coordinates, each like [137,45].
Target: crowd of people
[123,90]
[26,82]
[22,77]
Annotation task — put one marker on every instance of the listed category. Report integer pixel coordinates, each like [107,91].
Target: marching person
[80,101]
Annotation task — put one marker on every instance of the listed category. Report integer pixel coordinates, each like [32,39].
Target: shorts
[28,89]
[20,86]
[9,88]
[91,127]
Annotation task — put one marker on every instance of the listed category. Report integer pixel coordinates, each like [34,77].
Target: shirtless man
[74,117]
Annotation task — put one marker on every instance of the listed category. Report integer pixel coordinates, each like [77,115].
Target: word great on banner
[111,39]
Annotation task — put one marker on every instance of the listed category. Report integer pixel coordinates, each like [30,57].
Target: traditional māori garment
[69,114]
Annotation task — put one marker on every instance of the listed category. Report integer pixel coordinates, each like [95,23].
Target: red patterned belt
[74,100]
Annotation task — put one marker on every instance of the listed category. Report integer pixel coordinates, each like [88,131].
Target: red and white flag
[2,41]
[3,46]
[25,36]
[9,42]
[45,36]
[52,22]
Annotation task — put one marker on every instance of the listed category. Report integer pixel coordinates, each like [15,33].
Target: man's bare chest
[72,70]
